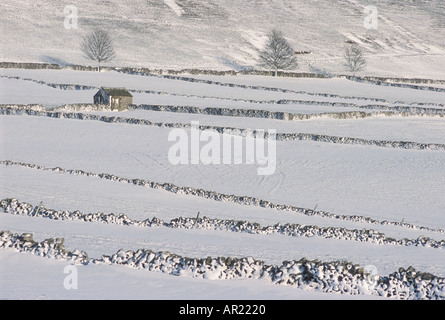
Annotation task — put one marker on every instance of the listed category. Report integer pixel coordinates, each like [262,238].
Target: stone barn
[116,98]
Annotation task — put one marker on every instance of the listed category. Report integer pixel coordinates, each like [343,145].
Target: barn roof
[117,92]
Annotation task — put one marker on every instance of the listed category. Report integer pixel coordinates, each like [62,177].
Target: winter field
[358,177]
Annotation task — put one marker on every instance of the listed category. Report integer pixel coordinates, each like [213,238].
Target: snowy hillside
[222,34]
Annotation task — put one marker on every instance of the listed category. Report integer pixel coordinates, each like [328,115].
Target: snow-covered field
[71,167]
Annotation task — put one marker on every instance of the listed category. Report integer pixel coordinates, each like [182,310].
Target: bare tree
[354,59]
[98,46]
[278,54]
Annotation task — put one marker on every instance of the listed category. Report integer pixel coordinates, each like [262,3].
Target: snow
[34,278]
[308,173]
[418,129]
[139,203]
[200,241]
[383,201]
[177,9]
[340,277]
[234,87]
[222,34]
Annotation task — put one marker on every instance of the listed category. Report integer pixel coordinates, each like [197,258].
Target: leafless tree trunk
[354,59]
[98,46]
[278,54]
